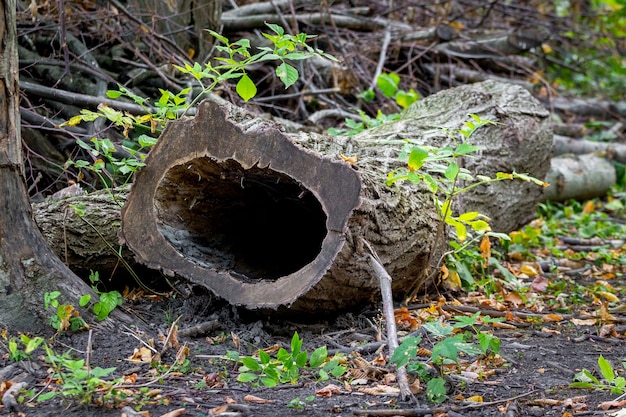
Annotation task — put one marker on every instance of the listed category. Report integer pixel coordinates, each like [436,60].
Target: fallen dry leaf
[607,405]
[475,399]
[257,400]
[549,331]
[328,390]
[548,318]
[584,322]
[380,390]
[218,410]
[143,354]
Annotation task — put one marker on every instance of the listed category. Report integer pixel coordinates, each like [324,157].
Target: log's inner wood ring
[256,223]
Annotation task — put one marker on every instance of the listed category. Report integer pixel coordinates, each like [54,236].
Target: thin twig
[384,280]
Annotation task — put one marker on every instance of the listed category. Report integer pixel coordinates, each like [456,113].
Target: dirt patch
[539,366]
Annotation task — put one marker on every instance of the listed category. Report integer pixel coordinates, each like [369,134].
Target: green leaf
[287,74]
[406,98]
[296,344]
[465,148]
[367,95]
[246,88]
[318,357]
[301,359]
[585,376]
[246,377]
[338,371]
[452,171]
[437,329]
[276,28]
[406,351]
[113,94]
[606,369]
[264,357]
[436,390]
[417,157]
[480,226]
[323,375]
[251,363]
[388,84]
[447,348]
[269,382]
[469,216]
[465,321]
[84,300]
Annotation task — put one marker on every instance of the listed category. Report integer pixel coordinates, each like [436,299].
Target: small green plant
[287,366]
[77,382]
[451,342]
[107,300]
[298,404]
[30,345]
[237,57]
[388,83]
[585,378]
[64,316]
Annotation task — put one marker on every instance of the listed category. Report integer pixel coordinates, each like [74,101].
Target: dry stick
[89,349]
[168,339]
[381,57]
[392,336]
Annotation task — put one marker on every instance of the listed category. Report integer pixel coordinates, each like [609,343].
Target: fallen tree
[265,219]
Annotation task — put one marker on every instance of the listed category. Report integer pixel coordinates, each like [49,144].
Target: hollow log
[232,203]
[265,220]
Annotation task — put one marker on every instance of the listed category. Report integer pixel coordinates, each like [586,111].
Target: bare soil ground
[540,361]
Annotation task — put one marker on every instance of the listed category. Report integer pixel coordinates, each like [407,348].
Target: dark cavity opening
[257,222]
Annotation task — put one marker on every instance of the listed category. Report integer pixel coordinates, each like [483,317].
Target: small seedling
[65,316]
[30,345]
[298,404]
[447,349]
[74,381]
[585,379]
[287,366]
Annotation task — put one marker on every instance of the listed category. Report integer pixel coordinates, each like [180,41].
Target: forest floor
[538,359]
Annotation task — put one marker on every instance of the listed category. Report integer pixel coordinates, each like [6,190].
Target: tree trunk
[232,203]
[28,267]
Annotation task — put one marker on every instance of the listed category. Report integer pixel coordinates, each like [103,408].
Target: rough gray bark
[86,243]
[28,268]
[521,142]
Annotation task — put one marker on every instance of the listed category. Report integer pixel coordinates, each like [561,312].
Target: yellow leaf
[546,48]
[73,121]
[349,159]
[552,317]
[485,248]
[529,270]
[608,296]
[451,279]
[475,399]
[590,207]
[457,25]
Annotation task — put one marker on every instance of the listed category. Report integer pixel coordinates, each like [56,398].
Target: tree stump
[267,220]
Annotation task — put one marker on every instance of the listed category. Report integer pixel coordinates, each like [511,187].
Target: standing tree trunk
[28,267]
